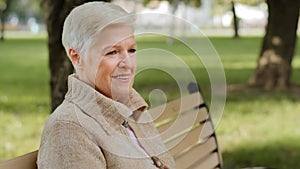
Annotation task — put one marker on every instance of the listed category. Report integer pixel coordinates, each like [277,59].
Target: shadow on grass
[245,93]
[279,154]
[238,90]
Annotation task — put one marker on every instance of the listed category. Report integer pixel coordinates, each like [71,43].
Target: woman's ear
[75,58]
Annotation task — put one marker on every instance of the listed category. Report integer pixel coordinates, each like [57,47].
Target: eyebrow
[116,46]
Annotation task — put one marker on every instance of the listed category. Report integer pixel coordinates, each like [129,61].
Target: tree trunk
[235,20]
[274,64]
[4,7]
[60,66]
[2,25]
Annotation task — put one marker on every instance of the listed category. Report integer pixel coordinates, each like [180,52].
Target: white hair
[85,21]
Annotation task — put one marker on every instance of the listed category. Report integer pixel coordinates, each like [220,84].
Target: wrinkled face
[111,62]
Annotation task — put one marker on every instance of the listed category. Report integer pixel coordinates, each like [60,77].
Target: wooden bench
[186,128]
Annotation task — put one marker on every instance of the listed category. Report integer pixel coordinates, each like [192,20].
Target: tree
[235,20]
[231,4]
[2,18]
[4,4]
[60,67]
[23,9]
[274,64]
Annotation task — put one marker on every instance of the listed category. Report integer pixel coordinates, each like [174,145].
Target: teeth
[122,77]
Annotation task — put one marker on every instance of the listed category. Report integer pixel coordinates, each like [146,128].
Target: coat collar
[108,113]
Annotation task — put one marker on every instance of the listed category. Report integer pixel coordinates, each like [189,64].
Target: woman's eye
[131,50]
[111,53]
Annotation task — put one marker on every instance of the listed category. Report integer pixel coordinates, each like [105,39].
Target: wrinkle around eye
[111,53]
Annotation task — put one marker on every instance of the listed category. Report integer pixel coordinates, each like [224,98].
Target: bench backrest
[186,128]
[188,132]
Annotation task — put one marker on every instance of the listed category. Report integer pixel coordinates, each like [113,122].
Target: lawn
[258,128]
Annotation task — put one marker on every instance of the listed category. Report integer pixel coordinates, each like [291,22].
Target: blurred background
[256,41]
[211,16]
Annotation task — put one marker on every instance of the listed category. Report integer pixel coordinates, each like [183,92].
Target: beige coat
[86,132]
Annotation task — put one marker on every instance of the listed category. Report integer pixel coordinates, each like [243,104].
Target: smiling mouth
[122,77]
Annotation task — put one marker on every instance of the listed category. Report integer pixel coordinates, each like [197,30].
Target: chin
[120,91]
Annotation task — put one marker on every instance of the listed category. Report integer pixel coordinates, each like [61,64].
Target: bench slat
[185,120]
[195,154]
[189,139]
[172,108]
[27,161]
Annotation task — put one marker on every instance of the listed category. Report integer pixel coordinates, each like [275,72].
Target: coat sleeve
[67,146]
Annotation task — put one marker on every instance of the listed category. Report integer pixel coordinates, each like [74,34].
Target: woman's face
[111,62]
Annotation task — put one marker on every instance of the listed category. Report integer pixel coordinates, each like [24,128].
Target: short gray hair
[85,21]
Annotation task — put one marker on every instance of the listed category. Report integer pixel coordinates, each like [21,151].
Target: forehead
[115,34]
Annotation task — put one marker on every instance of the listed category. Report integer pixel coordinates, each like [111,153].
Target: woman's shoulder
[66,111]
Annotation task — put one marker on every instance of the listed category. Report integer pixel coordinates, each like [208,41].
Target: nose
[126,61]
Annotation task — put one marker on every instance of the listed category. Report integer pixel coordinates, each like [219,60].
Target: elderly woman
[103,122]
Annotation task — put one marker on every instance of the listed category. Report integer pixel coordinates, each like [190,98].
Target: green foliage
[250,2]
[246,2]
[258,128]
[24,9]
[221,6]
[196,3]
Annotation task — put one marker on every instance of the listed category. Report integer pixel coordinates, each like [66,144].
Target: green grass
[24,95]
[258,128]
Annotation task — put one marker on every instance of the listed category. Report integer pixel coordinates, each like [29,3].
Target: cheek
[103,77]
[92,64]
[106,69]
[133,61]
